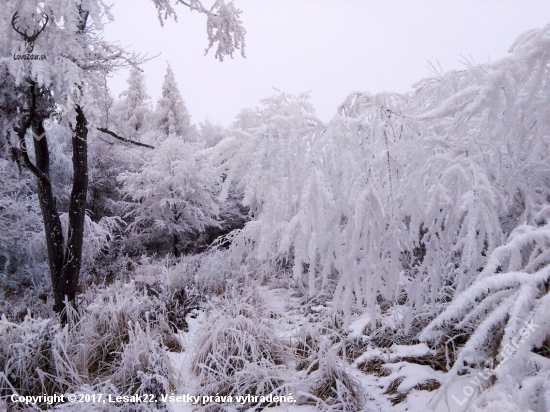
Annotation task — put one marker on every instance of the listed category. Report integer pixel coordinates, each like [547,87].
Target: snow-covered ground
[289,319]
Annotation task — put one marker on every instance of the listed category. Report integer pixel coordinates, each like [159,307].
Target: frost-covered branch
[224,26]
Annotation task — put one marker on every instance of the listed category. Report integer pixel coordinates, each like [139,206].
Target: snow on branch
[224,26]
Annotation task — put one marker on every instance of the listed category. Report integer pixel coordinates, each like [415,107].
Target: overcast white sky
[328,47]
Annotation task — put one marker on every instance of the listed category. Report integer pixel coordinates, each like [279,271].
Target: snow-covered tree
[320,197]
[436,199]
[401,197]
[66,85]
[211,133]
[172,115]
[69,85]
[174,193]
[500,111]
[133,110]
[269,156]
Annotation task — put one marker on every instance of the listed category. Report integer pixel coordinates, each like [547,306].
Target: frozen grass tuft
[144,367]
[331,388]
[35,358]
[237,351]
[119,340]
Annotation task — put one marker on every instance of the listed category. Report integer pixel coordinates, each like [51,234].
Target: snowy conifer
[172,115]
[133,109]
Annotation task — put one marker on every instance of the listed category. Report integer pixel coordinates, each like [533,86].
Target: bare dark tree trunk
[50,215]
[175,241]
[64,254]
[65,281]
[72,259]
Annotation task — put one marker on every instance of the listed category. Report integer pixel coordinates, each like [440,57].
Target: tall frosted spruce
[134,111]
[172,115]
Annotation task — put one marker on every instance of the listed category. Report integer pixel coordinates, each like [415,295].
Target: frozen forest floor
[200,327]
[398,378]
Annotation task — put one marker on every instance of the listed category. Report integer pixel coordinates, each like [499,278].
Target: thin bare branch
[123,139]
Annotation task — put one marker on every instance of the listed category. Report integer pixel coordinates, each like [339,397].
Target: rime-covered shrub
[24,283]
[158,305]
[97,235]
[126,333]
[504,315]
[212,273]
[306,348]
[107,328]
[143,367]
[20,221]
[401,198]
[171,285]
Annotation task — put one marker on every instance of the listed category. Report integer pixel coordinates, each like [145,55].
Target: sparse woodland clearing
[396,258]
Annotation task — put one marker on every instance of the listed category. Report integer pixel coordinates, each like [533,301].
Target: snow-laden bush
[20,222]
[400,197]
[321,198]
[97,236]
[24,283]
[504,315]
[209,274]
[481,170]
[502,310]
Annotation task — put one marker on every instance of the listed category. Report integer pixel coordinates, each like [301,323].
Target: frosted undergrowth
[118,344]
[304,351]
[252,340]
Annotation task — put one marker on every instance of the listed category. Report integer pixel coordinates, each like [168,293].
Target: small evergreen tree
[172,115]
[133,110]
